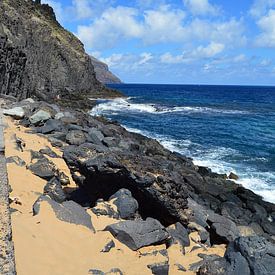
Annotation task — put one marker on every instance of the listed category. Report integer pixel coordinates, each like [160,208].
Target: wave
[260,183]
[125,105]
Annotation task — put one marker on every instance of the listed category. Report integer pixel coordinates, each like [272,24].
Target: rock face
[39,58]
[103,74]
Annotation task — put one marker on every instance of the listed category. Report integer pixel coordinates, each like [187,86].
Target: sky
[177,41]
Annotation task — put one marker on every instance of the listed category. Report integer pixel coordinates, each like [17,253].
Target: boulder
[63,178]
[257,251]
[238,264]
[16,112]
[50,126]
[214,267]
[137,234]
[39,116]
[195,267]
[233,176]
[225,229]
[95,136]
[43,168]
[56,142]
[126,205]
[76,137]
[17,160]
[49,152]
[179,235]
[54,190]
[68,211]
[159,268]
[268,227]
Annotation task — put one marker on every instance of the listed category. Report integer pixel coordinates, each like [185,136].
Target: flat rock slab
[16,112]
[137,234]
[68,211]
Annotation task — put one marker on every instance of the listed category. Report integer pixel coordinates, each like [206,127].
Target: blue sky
[177,41]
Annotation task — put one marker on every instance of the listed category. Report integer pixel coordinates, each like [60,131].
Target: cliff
[41,59]
[103,74]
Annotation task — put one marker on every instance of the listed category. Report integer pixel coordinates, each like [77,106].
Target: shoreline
[99,159]
[247,177]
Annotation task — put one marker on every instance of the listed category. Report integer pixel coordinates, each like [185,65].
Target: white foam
[125,105]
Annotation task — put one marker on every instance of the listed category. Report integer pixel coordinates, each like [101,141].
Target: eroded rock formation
[41,59]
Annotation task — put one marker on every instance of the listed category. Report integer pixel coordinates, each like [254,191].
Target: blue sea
[226,128]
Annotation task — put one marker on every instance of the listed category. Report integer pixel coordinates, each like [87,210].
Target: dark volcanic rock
[54,190]
[68,211]
[179,235]
[223,227]
[47,151]
[137,234]
[40,58]
[43,168]
[159,268]
[108,246]
[126,205]
[17,160]
[214,267]
[76,137]
[246,255]
[257,251]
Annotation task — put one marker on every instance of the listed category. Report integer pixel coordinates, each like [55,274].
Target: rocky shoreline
[157,196]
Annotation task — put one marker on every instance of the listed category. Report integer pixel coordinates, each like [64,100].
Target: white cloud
[200,52]
[144,58]
[209,51]
[267,25]
[113,25]
[154,26]
[163,25]
[201,7]
[168,58]
[229,32]
[82,8]
[260,7]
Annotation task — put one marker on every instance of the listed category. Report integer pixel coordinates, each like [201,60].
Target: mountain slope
[103,74]
[40,58]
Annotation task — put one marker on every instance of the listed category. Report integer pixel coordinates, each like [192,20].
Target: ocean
[226,128]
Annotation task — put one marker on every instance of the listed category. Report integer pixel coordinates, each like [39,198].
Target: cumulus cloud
[260,7]
[114,24]
[201,7]
[154,26]
[209,51]
[267,25]
[201,52]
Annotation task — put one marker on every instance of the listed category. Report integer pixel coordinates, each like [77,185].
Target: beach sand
[46,245]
